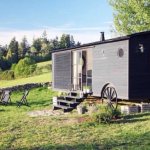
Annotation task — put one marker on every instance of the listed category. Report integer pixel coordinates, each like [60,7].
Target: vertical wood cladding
[108,67]
[62,70]
[128,69]
[139,68]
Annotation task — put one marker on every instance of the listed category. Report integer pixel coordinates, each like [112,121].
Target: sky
[84,19]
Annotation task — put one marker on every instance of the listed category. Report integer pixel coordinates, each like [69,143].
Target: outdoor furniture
[5,97]
[23,100]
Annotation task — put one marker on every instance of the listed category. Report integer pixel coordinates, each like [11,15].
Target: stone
[26,86]
[129,109]
[144,107]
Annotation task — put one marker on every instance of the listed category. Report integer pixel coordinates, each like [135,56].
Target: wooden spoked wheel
[109,95]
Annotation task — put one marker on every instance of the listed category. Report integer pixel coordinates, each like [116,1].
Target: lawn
[46,77]
[41,64]
[68,132]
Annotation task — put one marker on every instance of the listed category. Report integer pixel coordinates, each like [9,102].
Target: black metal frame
[23,100]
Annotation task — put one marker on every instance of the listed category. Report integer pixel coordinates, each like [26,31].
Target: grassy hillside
[45,76]
[44,63]
[67,132]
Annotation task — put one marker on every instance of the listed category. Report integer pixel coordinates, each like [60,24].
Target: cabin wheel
[109,95]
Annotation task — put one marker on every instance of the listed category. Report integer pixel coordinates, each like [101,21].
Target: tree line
[39,50]
[130,16]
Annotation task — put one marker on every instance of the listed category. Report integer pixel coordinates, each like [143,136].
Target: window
[141,48]
[120,52]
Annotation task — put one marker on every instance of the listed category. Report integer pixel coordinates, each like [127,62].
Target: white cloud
[84,35]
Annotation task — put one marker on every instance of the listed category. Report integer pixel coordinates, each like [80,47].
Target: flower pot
[80,110]
[84,91]
[55,101]
[88,90]
[81,94]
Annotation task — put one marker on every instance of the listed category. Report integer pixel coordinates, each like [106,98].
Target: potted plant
[88,89]
[80,94]
[84,90]
[81,109]
[54,101]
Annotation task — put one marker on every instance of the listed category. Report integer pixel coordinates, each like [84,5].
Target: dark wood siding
[62,70]
[139,77]
[108,67]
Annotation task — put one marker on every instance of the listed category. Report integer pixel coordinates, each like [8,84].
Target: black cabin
[122,63]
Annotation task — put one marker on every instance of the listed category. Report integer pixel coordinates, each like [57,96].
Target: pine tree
[37,44]
[24,47]
[12,55]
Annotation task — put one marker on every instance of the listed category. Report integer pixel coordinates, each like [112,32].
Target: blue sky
[84,19]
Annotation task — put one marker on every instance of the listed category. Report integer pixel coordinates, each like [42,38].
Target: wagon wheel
[110,95]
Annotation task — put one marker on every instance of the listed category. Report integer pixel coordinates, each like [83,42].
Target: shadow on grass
[133,118]
[42,103]
[64,147]
[9,104]
[2,110]
[137,115]
[128,120]
[131,142]
[30,104]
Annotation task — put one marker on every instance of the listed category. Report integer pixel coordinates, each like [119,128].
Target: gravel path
[46,113]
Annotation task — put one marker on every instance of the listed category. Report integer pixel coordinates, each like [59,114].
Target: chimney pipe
[102,36]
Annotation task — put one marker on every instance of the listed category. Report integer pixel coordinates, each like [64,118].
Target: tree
[55,43]
[46,45]
[131,16]
[46,48]
[25,67]
[3,51]
[44,37]
[66,41]
[12,55]
[4,65]
[37,44]
[33,50]
[23,48]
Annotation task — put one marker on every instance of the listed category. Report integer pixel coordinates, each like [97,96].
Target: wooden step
[66,101]
[74,97]
[75,92]
[63,107]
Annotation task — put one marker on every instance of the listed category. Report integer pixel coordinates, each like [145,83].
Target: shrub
[106,115]
[47,57]
[13,67]
[102,117]
[7,75]
[25,67]
[38,71]
[115,114]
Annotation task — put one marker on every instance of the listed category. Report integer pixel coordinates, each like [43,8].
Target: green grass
[44,63]
[19,131]
[46,77]
[43,66]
